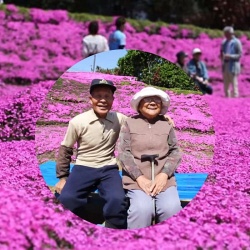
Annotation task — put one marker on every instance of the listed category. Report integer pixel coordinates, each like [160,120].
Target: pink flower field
[194,128]
[38,99]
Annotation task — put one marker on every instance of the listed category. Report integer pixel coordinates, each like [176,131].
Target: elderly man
[95,132]
[230,53]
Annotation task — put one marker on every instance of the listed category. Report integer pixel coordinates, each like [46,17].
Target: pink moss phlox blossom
[37,53]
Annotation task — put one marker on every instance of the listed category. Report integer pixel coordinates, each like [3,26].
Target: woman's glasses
[152,99]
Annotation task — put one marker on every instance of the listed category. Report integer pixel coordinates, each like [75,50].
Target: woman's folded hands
[144,184]
[159,183]
[154,188]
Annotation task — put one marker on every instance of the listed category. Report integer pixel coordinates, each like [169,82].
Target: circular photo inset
[125,139]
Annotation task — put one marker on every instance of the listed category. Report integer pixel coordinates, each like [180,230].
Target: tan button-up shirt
[138,137]
[95,138]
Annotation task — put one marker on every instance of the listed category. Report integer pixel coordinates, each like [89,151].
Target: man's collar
[232,38]
[110,117]
[94,117]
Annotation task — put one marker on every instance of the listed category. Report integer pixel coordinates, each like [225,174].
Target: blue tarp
[188,185]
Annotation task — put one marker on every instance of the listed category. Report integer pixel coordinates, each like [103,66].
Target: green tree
[154,70]
[135,62]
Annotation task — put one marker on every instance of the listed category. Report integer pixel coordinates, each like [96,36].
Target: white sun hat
[151,91]
[197,51]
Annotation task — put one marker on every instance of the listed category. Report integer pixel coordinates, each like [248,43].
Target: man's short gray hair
[229,29]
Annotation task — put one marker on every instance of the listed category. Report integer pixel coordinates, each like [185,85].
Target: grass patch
[84,17]
[58,83]
[3,7]
[46,123]
[123,83]
[177,90]
[197,131]
[25,12]
[61,242]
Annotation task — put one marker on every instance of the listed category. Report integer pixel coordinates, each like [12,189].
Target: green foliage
[25,12]
[139,25]
[124,83]
[59,82]
[3,7]
[207,14]
[55,4]
[178,90]
[154,70]
[114,71]
[84,17]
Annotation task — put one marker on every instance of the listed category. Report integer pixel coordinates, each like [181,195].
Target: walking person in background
[94,43]
[230,53]
[198,72]
[117,40]
[181,60]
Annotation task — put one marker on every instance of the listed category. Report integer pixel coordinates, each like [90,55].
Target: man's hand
[226,56]
[144,184]
[60,184]
[160,182]
[200,79]
[170,121]
[205,82]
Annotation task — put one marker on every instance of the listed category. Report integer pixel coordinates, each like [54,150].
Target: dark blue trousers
[82,180]
[205,89]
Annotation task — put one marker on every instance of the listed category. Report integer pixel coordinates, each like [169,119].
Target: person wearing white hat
[198,72]
[197,51]
[230,54]
[149,133]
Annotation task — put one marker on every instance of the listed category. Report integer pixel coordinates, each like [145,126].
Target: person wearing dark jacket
[181,60]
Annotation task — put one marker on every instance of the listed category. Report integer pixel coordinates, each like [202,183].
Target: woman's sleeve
[174,156]
[125,157]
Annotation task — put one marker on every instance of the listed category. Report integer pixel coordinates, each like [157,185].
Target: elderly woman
[149,133]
